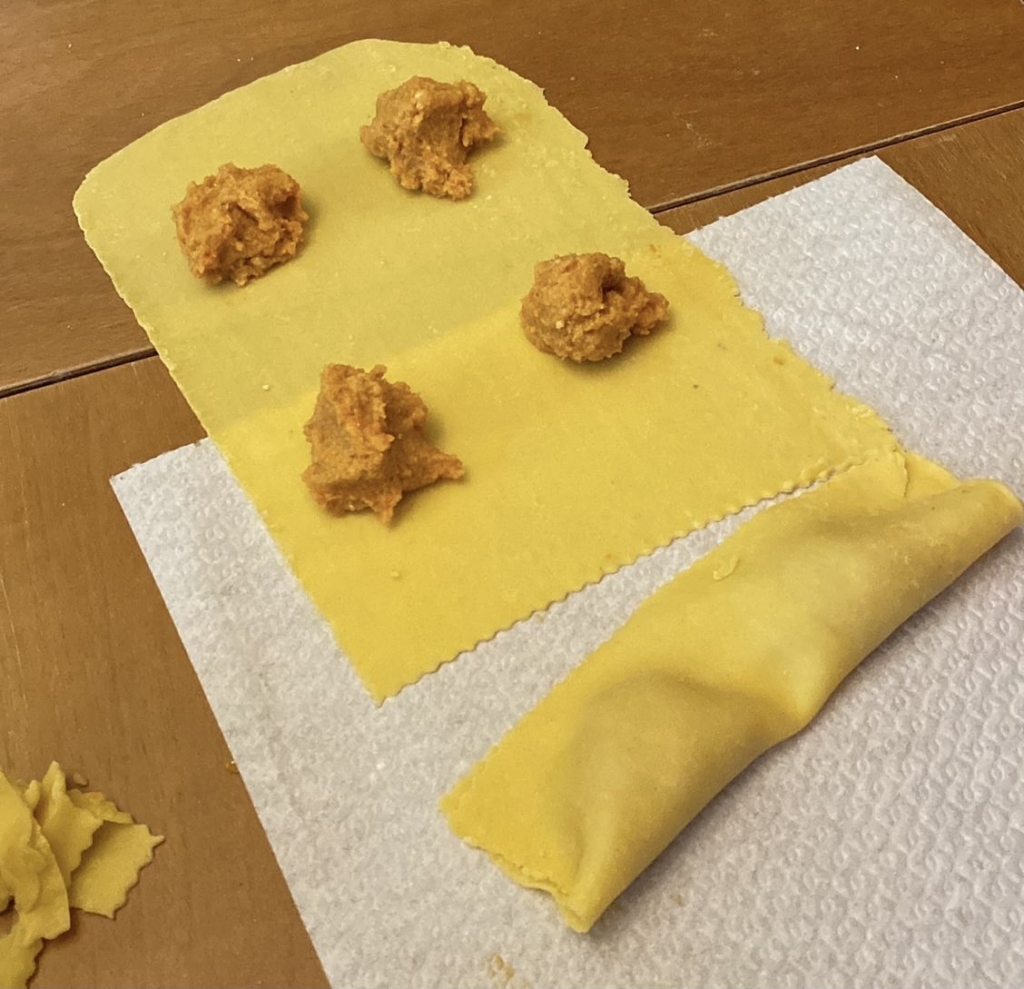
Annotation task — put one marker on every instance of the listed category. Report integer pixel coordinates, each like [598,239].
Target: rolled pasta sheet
[731,657]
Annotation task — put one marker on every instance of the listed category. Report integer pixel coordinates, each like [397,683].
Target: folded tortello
[731,657]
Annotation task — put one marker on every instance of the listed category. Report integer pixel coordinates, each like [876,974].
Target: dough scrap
[68,827]
[584,307]
[368,444]
[30,875]
[55,843]
[726,660]
[240,222]
[111,865]
[426,130]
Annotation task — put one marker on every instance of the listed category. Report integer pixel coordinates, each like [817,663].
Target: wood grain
[974,173]
[94,676]
[680,98]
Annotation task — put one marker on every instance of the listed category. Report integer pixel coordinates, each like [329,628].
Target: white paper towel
[883,846]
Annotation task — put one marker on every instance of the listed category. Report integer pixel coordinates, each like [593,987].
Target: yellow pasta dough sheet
[729,658]
[571,471]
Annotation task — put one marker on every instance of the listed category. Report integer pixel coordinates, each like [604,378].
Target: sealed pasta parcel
[734,655]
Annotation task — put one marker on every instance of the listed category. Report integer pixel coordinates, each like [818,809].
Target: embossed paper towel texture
[883,846]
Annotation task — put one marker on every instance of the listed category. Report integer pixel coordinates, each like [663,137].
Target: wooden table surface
[685,100]
[682,99]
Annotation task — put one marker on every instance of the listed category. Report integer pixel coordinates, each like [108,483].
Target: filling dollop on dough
[426,130]
[368,443]
[239,223]
[584,307]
